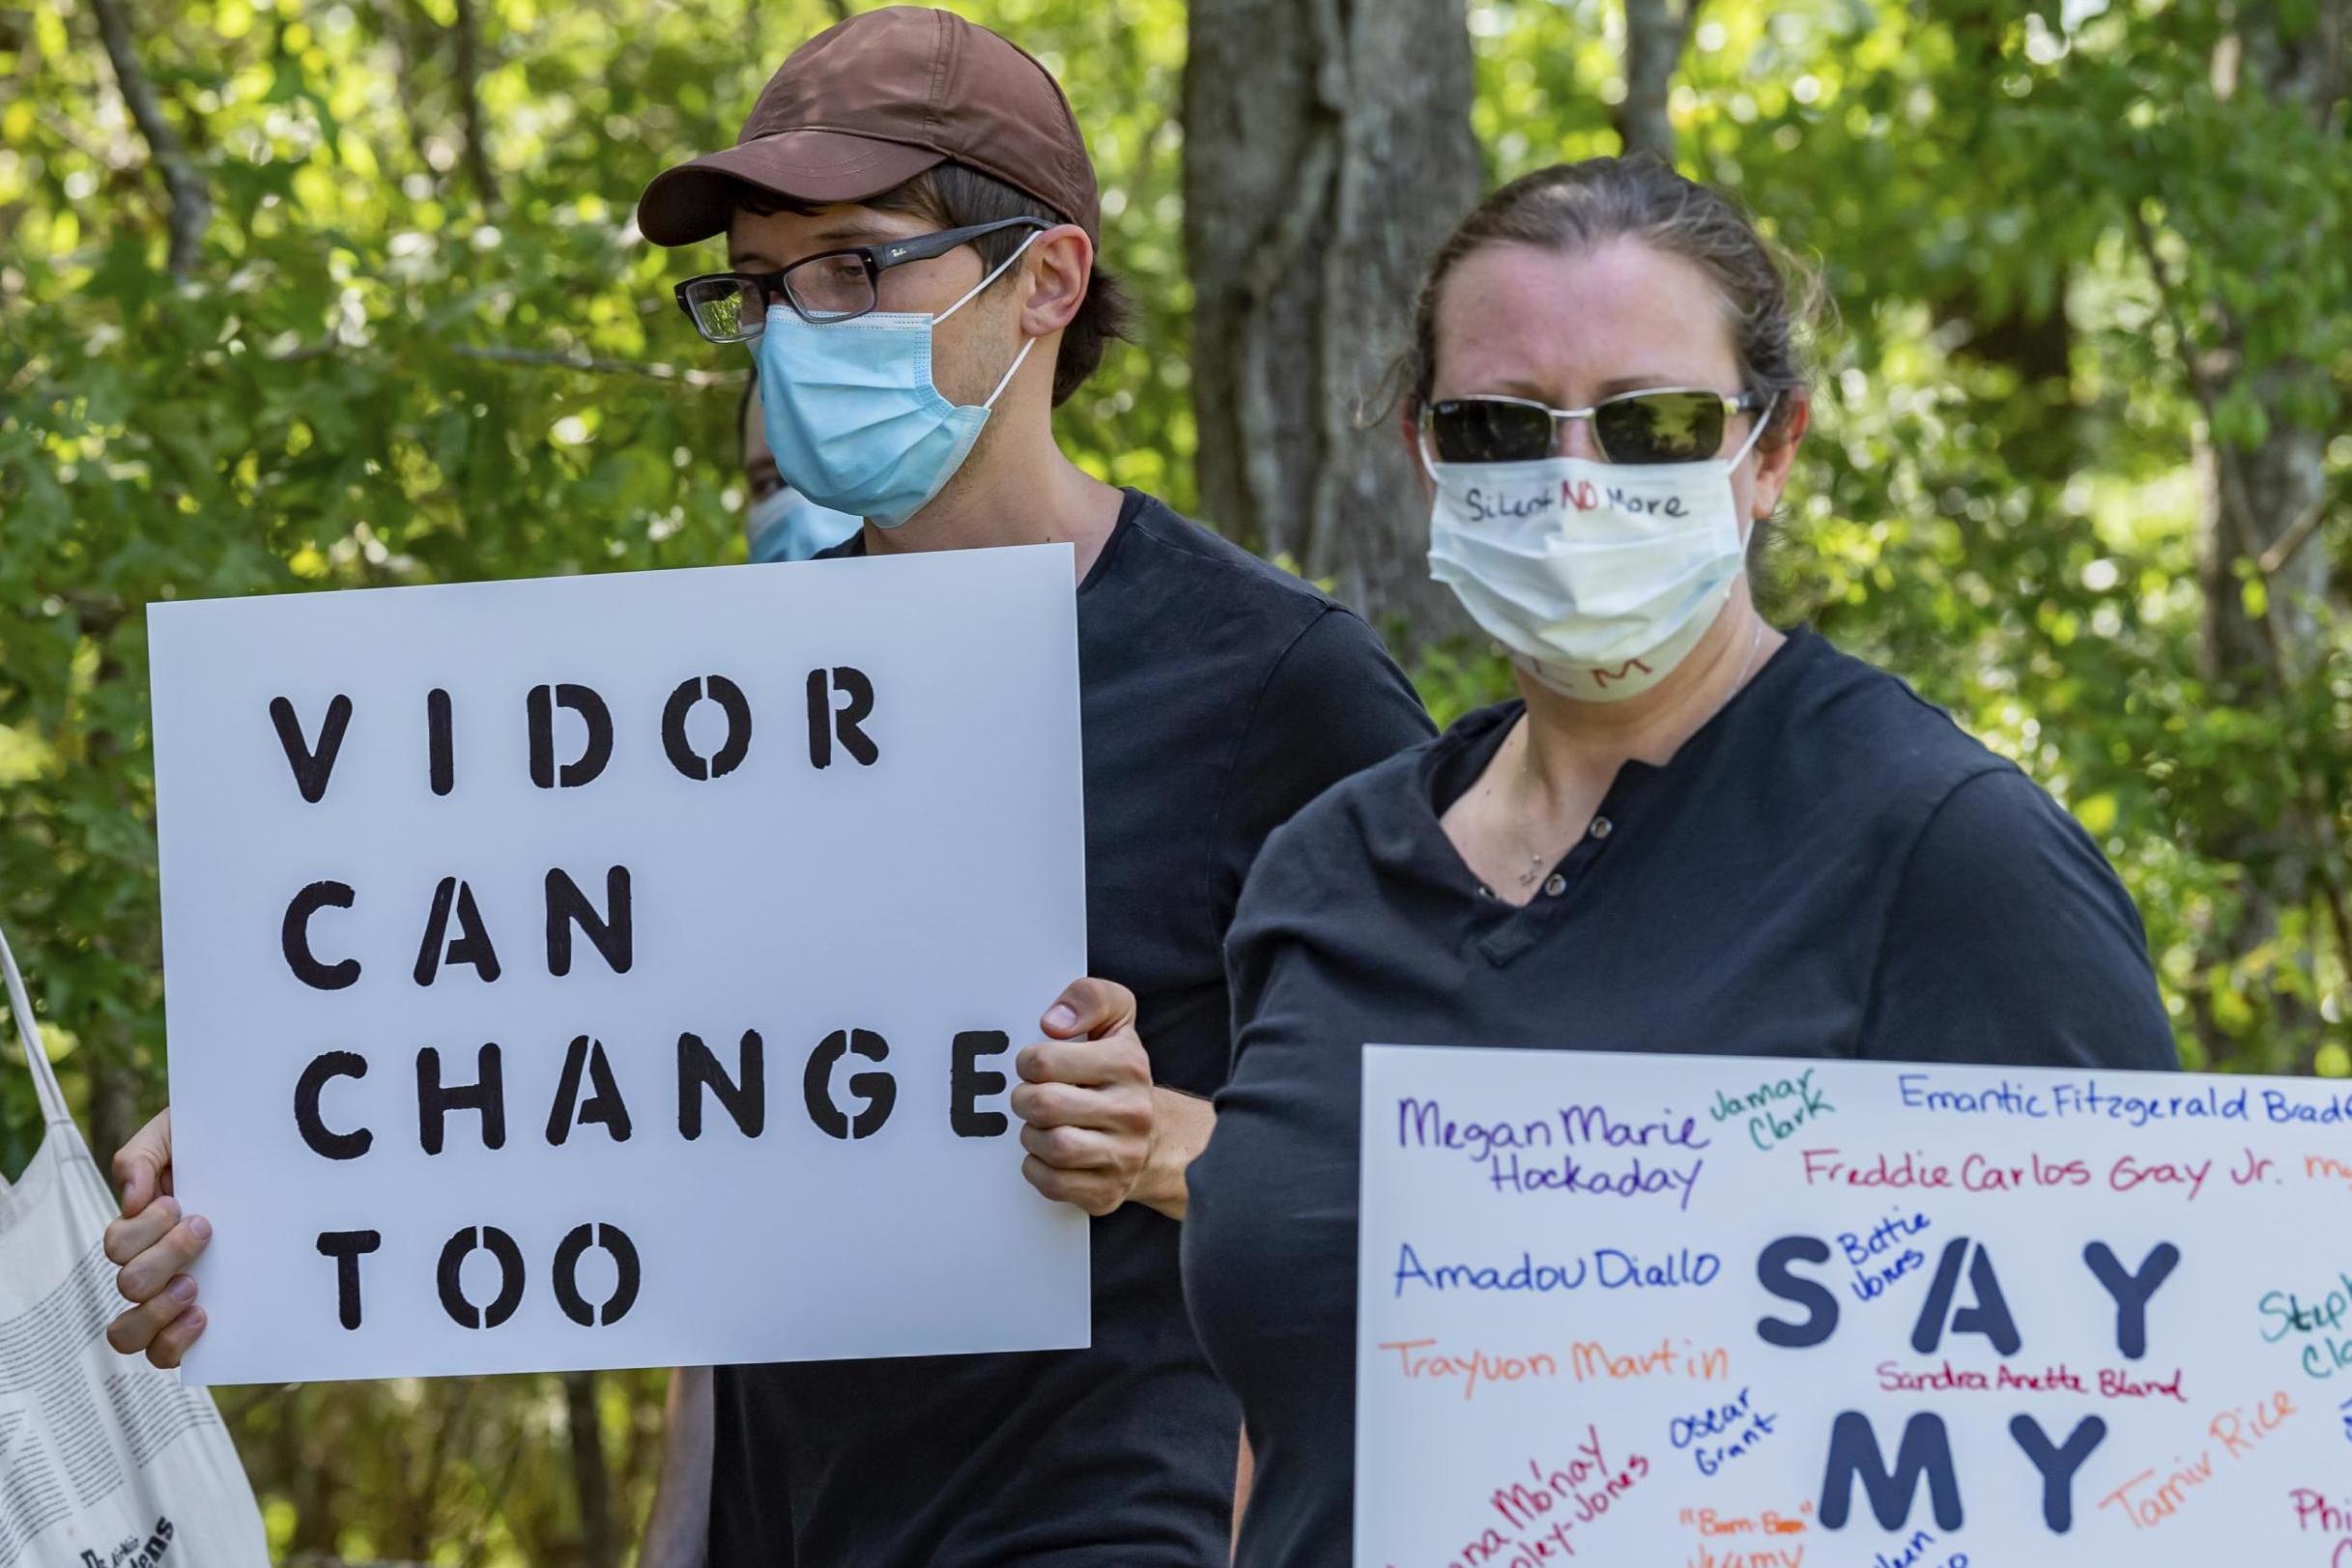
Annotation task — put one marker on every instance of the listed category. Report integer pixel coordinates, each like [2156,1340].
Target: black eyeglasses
[831,286]
[1667,424]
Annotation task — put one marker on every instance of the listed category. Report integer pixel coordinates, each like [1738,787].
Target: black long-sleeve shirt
[1218,695]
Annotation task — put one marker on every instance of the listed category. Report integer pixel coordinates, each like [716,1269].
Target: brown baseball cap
[867,104]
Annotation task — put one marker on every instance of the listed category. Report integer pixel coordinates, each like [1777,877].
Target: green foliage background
[405,353]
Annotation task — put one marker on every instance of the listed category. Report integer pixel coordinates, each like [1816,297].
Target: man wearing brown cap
[1218,697]
[912,222]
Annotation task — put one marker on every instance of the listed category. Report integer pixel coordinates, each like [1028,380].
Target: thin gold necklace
[1536,861]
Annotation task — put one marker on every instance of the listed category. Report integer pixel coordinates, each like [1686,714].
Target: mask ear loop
[1747,533]
[1010,373]
[991,278]
[1754,432]
[1015,368]
[1420,447]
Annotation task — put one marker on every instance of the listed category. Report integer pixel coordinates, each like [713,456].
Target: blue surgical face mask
[854,419]
[784,525]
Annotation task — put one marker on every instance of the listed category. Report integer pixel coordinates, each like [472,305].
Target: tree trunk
[2258,532]
[315,1429]
[115,1095]
[1655,31]
[2041,432]
[2041,436]
[592,1482]
[2277,487]
[1328,152]
[190,205]
[467,31]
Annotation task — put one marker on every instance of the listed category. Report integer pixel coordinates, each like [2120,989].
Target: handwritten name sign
[621,970]
[1727,1312]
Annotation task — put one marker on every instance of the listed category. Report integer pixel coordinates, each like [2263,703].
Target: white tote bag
[105,1462]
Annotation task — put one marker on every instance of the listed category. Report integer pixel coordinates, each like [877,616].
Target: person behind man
[912,222]
[778,521]
[780,524]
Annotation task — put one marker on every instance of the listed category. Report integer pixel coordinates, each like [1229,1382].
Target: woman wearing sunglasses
[1690,832]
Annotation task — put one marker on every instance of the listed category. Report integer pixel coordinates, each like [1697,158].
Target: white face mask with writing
[1597,577]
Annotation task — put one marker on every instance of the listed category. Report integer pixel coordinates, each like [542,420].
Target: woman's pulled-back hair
[1578,207]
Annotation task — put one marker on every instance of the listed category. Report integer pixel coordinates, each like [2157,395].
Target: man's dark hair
[955,196]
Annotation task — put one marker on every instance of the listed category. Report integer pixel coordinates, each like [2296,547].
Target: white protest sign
[621,970]
[1724,1312]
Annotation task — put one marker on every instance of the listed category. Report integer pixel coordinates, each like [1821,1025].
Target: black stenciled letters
[614,1240]
[1853,1454]
[827,724]
[346,1248]
[2057,1464]
[486,1095]
[732,751]
[567,905]
[879,1089]
[441,760]
[540,707]
[464,1313]
[966,1083]
[2131,1291]
[743,1098]
[604,1105]
[306,1118]
[471,943]
[1987,1316]
[293,936]
[312,766]
[1820,1302]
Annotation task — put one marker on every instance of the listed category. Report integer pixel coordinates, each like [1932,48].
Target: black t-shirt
[1830,868]
[1218,696]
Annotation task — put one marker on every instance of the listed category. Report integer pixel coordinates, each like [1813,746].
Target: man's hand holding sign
[767,971]
[1085,1100]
